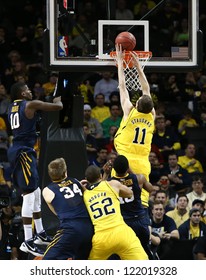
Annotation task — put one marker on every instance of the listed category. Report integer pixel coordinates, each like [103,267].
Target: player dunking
[23,117]
[134,136]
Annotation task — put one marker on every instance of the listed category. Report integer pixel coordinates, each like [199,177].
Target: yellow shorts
[120,240]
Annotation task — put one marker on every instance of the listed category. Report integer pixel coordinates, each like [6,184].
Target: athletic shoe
[29,247]
[42,238]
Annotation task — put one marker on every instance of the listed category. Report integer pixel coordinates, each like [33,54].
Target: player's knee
[28,205]
[37,201]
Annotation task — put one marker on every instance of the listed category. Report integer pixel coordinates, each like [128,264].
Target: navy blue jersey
[68,201]
[23,129]
[73,239]
[131,207]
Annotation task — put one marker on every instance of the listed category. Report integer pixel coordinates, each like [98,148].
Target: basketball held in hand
[126,40]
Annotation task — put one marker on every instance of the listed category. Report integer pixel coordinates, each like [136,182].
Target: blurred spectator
[186,121]
[172,88]
[100,159]
[38,91]
[8,244]
[77,41]
[141,9]
[200,102]
[163,196]
[49,86]
[155,168]
[106,85]
[87,92]
[199,204]
[113,120]
[189,162]
[94,125]
[4,46]
[180,179]
[181,34]
[20,69]
[7,78]
[165,138]
[4,100]
[161,224]
[180,214]
[122,12]
[91,143]
[4,141]
[100,111]
[21,42]
[111,156]
[190,88]
[193,227]
[200,248]
[114,97]
[109,141]
[138,6]
[152,195]
[160,109]
[37,43]
[197,190]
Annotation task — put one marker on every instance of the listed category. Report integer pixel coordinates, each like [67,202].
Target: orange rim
[127,61]
[127,54]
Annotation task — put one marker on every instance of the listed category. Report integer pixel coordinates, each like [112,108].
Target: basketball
[126,40]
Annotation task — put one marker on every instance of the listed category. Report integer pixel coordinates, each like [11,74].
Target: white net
[130,71]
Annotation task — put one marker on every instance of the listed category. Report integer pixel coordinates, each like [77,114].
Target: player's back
[135,134]
[131,207]
[23,129]
[103,205]
[68,201]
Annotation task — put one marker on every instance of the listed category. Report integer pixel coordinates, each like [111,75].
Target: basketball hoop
[130,71]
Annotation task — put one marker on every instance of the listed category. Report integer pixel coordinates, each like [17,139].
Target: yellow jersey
[134,135]
[103,205]
[112,235]
[133,140]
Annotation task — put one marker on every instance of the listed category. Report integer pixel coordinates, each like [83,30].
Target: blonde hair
[57,169]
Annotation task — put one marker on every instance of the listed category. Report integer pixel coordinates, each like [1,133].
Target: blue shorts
[72,241]
[23,162]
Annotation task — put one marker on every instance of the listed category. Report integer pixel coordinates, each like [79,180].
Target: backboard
[81,34]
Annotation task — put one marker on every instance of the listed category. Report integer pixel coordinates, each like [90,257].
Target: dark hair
[182,195]
[114,93]
[16,90]
[114,104]
[156,202]
[161,191]
[121,164]
[92,174]
[172,153]
[194,210]
[197,177]
[145,104]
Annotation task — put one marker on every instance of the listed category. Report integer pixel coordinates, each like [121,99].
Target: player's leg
[41,237]
[28,245]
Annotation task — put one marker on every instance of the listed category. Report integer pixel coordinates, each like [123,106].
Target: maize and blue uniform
[73,239]
[132,210]
[133,140]
[112,234]
[21,154]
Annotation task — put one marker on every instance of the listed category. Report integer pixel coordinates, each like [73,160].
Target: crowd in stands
[178,166]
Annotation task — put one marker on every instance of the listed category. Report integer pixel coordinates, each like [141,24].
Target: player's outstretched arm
[122,190]
[45,106]
[143,80]
[124,95]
